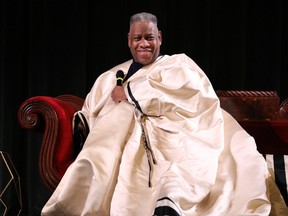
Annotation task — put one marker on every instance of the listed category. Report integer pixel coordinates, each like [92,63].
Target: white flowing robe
[205,163]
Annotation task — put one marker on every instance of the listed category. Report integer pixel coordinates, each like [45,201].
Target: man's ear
[160,37]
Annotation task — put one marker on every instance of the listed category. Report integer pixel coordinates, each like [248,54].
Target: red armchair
[52,116]
[259,112]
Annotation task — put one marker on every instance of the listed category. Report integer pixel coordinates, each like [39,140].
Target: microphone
[119,77]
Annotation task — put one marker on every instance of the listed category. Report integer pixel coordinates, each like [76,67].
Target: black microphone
[119,77]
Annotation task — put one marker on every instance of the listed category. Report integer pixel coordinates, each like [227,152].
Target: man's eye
[137,38]
[150,37]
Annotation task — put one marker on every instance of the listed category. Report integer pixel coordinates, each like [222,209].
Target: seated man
[159,143]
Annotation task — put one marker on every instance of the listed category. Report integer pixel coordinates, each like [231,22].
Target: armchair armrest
[52,116]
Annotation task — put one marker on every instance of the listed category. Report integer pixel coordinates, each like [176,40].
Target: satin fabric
[204,161]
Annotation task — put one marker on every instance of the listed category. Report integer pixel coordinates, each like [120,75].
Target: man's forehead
[143,29]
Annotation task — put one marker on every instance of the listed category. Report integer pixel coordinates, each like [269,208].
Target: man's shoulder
[181,60]
[179,57]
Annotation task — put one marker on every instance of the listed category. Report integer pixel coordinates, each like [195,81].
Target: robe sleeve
[98,96]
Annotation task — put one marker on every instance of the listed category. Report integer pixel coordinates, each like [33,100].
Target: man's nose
[144,42]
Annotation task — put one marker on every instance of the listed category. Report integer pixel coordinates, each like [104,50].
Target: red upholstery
[259,113]
[271,136]
[52,117]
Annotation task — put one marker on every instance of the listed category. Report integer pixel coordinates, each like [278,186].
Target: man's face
[144,41]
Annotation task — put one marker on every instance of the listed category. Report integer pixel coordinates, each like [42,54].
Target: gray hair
[143,16]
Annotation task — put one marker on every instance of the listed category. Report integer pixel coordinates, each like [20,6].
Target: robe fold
[168,150]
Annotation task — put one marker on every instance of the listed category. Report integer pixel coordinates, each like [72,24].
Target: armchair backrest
[251,105]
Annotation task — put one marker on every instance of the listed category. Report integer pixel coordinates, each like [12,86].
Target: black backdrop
[53,47]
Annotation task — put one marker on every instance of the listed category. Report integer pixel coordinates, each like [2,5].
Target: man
[159,144]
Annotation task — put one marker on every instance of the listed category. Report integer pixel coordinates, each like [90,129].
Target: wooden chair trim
[230,93]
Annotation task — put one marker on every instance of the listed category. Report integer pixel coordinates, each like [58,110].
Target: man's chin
[145,59]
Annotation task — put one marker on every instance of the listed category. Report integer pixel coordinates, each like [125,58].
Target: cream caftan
[169,146]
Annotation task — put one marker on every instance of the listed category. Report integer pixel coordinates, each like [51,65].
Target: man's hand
[118,94]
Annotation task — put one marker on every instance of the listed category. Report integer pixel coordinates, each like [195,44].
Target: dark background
[54,47]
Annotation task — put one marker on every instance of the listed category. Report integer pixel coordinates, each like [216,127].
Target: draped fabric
[169,148]
[54,47]
[278,167]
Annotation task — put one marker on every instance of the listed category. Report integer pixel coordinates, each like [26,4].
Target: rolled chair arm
[52,116]
[284,109]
